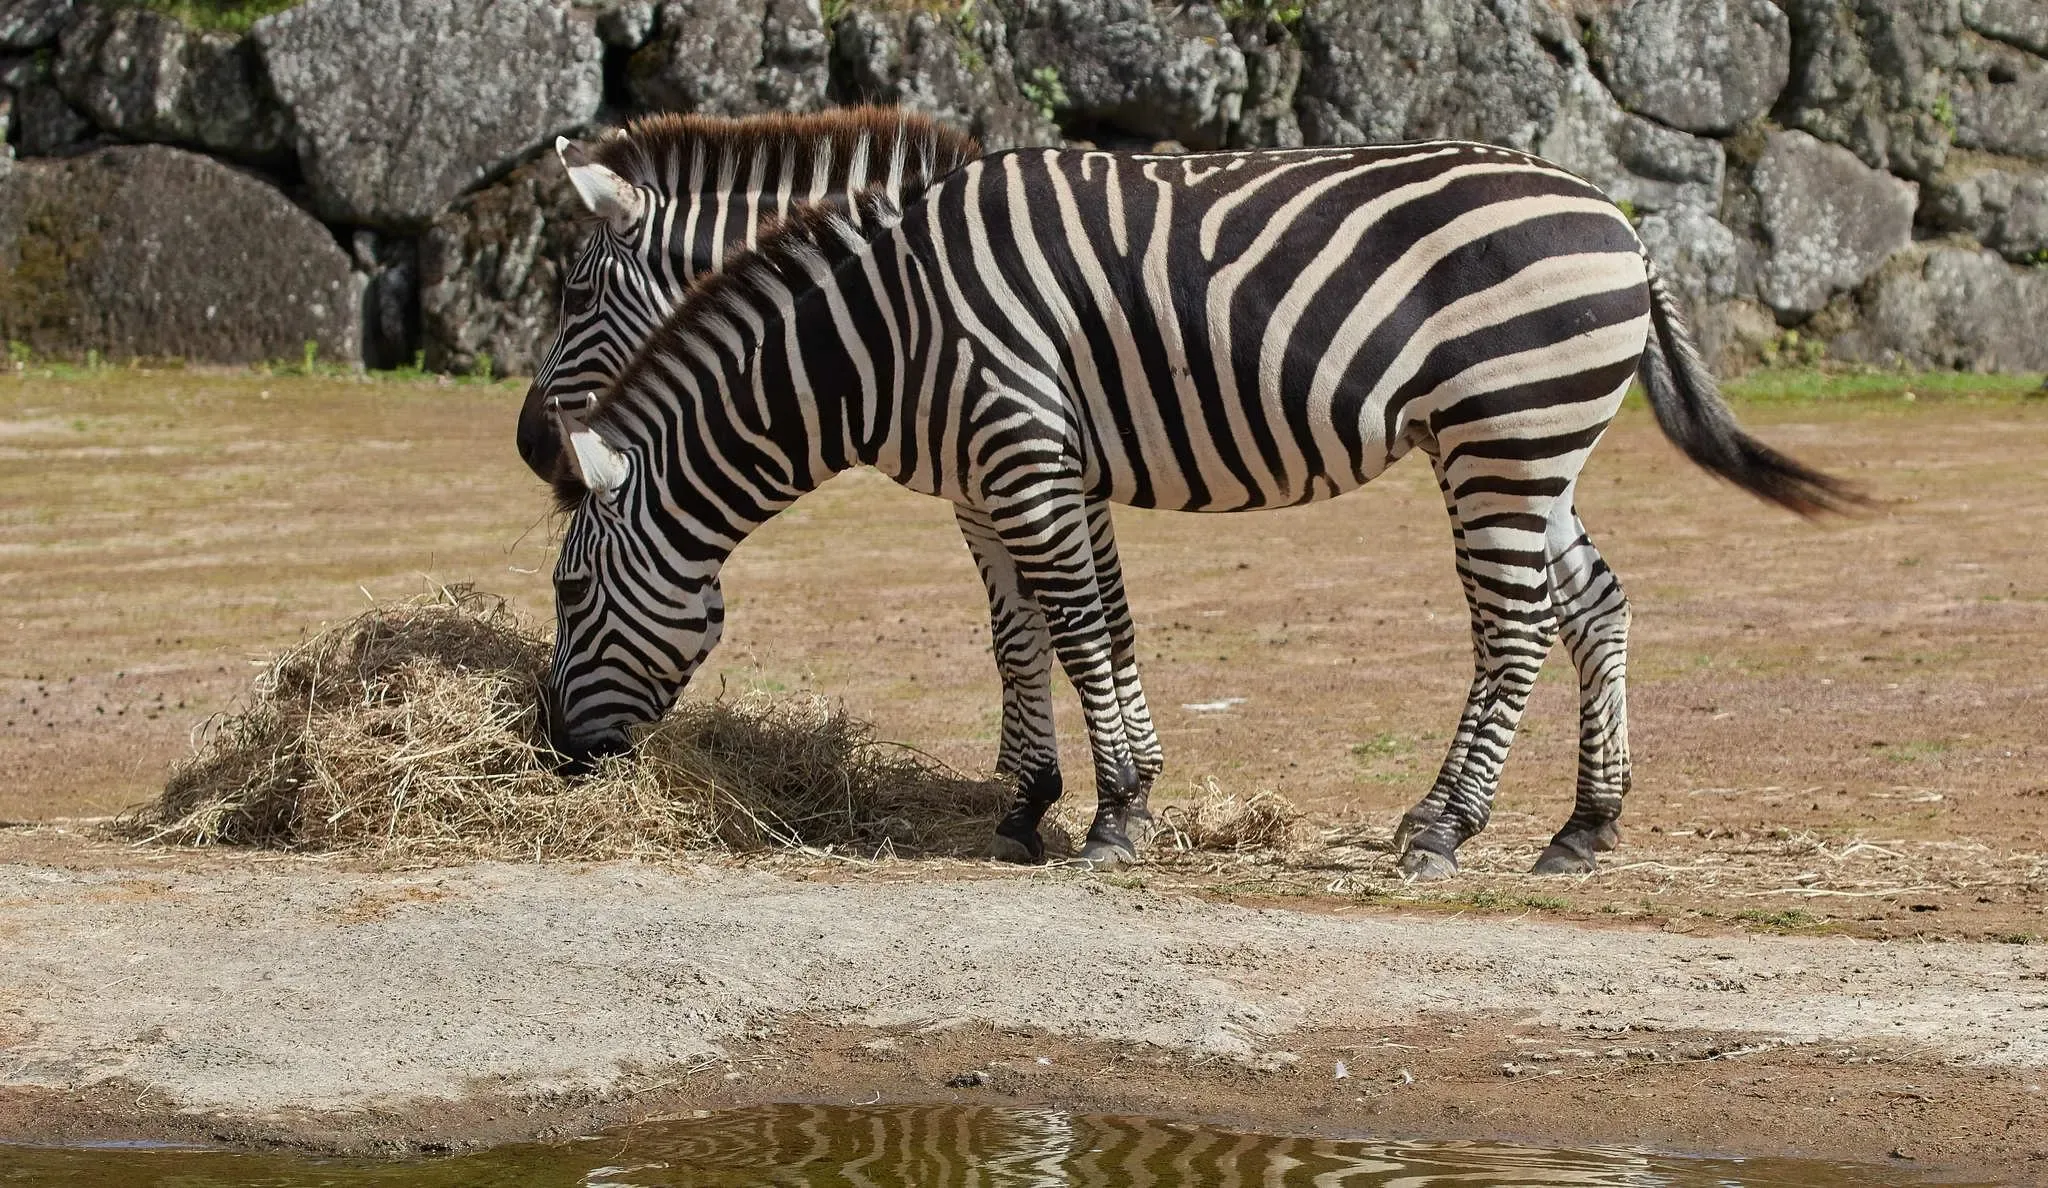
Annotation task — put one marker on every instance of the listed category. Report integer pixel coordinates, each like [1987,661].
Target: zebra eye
[577,298]
[572,591]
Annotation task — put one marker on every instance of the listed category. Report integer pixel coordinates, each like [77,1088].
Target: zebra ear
[609,196]
[593,461]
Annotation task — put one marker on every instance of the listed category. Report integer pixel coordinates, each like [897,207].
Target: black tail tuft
[1689,407]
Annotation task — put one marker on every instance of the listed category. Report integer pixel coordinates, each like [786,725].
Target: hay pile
[412,731]
[1224,822]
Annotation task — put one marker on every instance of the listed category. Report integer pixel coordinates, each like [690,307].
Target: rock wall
[372,174]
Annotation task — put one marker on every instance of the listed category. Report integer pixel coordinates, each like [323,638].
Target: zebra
[672,195]
[1216,332]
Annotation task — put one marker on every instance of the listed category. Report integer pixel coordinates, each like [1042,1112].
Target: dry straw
[411,731]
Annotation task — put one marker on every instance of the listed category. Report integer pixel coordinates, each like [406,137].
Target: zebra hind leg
[1425,811]
[1593,620]
[1028,752]
[1514,626]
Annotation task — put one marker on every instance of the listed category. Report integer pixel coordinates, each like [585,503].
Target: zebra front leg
[1593,620]
[1028,752]
[1146,753]
[1046,530]
[1514,626]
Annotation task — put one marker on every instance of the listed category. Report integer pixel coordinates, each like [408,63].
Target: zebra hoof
[1009,849]
[1559,859]
[1607,838]
[1427,866]
[1103,854]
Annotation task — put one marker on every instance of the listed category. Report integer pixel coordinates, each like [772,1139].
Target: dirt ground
[1836,729]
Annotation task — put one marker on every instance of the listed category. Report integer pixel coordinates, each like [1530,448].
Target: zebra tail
[1692,414]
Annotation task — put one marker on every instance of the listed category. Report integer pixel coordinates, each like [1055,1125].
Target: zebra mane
[741,299]
[655,151]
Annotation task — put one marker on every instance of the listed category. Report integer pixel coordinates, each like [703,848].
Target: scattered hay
[1228,823]
[412,731]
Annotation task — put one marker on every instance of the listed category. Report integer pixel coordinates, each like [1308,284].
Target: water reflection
[932,1147]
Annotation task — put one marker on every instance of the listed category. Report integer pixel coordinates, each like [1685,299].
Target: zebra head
[637,607]
[612,299]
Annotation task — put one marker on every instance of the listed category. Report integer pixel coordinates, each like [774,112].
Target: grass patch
[220,16]
[1809,385]
[1784,920]
[412,731]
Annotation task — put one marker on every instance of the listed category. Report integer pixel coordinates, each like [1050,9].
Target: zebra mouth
[581,753]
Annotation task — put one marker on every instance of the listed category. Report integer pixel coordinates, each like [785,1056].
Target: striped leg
[1426,810]
[1507,584]
[1045,528]
[1593,620]
[1146,752]
[1028,751]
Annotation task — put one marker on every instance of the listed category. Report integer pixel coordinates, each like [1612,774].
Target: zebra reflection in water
[981,1147]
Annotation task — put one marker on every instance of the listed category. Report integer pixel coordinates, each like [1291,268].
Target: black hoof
[1024,851]
[1559,859]
[1607,838]
[1140,824]
[1427,866]
[1108,844]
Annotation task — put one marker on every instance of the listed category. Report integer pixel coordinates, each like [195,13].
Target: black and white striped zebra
[673,195]
[1219,332]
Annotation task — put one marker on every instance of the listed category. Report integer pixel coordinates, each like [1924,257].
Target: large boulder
[2023,23]
[143,75]
[1875,75]
[1644,164]
[153,251]
[1950,307]
[1127,70]
[400,105]
[1828,221]
[44,122]
[1698,65]
[1473,69]
[490,271]
[931,63]
[2001,203]
[733,57]
[33,24]
[2001,106]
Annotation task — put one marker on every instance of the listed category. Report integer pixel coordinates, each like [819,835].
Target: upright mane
[656,150]
[814,237]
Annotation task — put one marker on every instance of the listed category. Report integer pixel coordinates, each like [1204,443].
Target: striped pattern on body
[1046,330]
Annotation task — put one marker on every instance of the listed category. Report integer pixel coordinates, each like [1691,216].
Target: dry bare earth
[1834,728]
[1835,732]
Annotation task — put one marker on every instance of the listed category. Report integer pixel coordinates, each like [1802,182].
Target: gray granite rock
[937,65]
[152,251]
[1696,253]
[1874,75]
[1460,68]
[44,122]
[400,105]
[2023,23]
[1950,307]
[1644,164]
[2001,105]
[1272,73]
[143,75]
[33,24]
[733,57]
[490,271]
[1127,70]
[1999,202]
[1828,221]
[1698,65]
